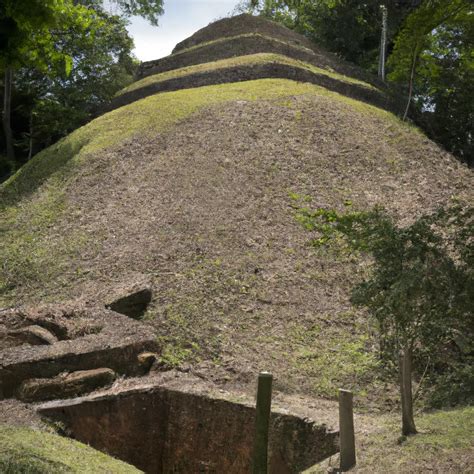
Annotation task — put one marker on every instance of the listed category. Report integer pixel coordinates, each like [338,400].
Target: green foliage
[414,34]
[29,451]
[49,107]
[433,54]
[148,9]
[30,31]
[70,58]
[420,288]
[350,28]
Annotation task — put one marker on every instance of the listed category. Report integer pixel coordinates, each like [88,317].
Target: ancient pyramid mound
[189,185]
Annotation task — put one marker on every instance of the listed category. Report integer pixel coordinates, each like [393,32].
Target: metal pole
[262,423]
[346,431]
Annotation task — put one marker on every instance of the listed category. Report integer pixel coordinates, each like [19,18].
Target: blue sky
[181,19]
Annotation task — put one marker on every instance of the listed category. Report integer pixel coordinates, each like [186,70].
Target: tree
[151,10]
[414,37]
[28,32]
[350,28]
[68,57]
[433,56]
[420,288]
[49,107]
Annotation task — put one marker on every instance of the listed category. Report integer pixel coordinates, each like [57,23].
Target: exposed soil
[16,413]
[204,212]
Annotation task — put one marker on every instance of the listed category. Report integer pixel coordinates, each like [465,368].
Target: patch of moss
[248,60]
[29,451]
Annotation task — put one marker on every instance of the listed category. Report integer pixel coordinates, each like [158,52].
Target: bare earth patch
[205,213]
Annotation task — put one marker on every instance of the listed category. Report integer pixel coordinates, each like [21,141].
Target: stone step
[101,338]
[65,385]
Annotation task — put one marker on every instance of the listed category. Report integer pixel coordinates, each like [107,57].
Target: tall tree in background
[69,57]
[433,57]
[28,37]
[350,28]
[49,107]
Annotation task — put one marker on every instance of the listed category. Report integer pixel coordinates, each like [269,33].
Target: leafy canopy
[29,32]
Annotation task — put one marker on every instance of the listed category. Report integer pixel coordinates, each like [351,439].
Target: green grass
[30,451]
[248,60]
[144,117]
[444,438]
[444,444]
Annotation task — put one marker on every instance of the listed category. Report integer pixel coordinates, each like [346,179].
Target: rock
[132,304]
[146,360]
[34,335]
[116,346]
[65,386]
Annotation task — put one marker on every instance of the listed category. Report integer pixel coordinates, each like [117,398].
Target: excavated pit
[161,429]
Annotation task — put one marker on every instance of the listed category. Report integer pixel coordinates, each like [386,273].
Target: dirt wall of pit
[161,431]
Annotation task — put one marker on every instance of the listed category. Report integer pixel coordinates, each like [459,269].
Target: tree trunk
[408,422]
[410,85]
[383,42]
[30,147]
[7,98]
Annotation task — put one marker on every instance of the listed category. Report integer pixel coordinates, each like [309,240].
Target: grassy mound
[249,60]
[248,44]
[248,68]
[30,451]
[196,189]
[240,25]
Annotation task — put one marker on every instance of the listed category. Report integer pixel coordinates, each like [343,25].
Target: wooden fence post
[262,423]
[346,431]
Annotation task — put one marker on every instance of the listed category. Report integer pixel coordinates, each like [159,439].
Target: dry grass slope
[194,189]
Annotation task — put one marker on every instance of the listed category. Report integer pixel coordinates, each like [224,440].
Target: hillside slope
[193,190]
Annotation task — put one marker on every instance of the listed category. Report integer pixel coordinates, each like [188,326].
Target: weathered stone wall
[250,44]
[253,72]
[102,339]
[162,431]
